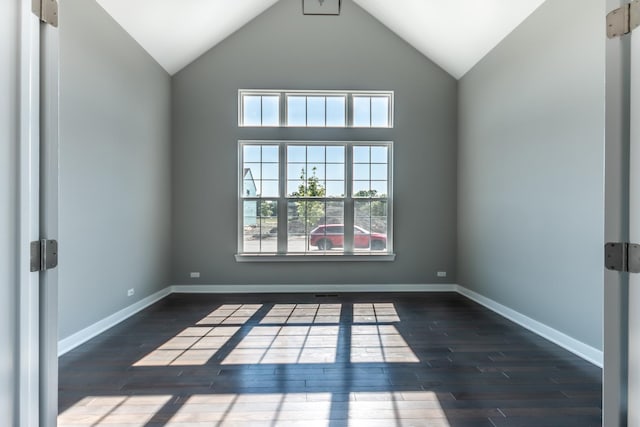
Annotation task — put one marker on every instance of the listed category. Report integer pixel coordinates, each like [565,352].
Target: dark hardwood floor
[434,359]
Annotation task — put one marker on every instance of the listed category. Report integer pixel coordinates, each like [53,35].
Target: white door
[38,207]
[49,188]
[621,381]
[634,231]
[29,212]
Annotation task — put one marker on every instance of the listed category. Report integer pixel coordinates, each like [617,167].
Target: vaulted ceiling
[453,34]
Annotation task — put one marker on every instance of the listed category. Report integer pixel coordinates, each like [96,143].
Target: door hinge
[623,20]
[44,255]
[622,257]
[46,11]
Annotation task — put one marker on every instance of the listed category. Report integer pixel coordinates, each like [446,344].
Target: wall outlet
[194,274]
[130,292]
[441,274]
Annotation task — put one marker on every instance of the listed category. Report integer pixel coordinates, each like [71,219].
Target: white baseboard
[317,288]
[67,344]
[576,347]
[579,348]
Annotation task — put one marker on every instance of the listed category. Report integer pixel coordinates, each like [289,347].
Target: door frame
[633,329]
[616,227]
[49,213]
[29,218]
[36,385]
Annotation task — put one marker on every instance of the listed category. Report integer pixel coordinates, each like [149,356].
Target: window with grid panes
[315,198]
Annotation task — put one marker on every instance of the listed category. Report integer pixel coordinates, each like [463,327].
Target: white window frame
[285,120]
[349,254]
[260,94]
[283,104]
[371,95]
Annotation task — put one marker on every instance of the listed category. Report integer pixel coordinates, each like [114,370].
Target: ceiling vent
[321,7]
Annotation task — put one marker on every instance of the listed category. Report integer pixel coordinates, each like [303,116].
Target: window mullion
[348,201]
[325,112]
[389,199]
[282,200]
[240,241]
[282,110]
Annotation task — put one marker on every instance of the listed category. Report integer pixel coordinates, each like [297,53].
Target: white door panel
[634,234]
[29,211]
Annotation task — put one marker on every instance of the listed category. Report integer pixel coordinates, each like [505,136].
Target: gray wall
[531,157]
[115,168]
[282,49]
[9,43]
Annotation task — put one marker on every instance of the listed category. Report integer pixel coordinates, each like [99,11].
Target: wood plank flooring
[434,359]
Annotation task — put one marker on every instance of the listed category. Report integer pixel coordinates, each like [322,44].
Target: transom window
[316,111]
[261,109]
[338,109]
[315,198]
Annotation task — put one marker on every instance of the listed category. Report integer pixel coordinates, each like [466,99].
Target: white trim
[283,94]
[49,219]
[633,326]
[283,199]
[67,344]
[312,257]
[28,387]
[576,347]
[314,288]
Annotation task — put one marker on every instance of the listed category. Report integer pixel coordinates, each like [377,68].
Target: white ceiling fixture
[321,7]
[176,32]
[453,34]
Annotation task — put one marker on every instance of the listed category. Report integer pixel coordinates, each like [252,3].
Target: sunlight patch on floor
[192,346]
[303,314]
[375,313]
[353,409]
[255,409]
[380,344]
[286,345]
[113,410]
[231,314]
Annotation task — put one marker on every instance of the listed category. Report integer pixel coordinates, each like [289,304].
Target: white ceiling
[453,34]
[175,32]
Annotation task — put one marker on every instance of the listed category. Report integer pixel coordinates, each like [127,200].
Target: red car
[330,236]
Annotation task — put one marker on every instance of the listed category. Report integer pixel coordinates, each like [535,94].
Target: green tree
[371,212]
[310,211]
[267,209]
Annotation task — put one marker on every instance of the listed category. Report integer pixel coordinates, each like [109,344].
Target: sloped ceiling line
[453,34]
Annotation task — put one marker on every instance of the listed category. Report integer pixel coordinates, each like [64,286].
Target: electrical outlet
[441,274]
[194,274]
[130,292]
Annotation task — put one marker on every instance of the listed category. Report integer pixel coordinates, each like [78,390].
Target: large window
[315,198]
[331,109]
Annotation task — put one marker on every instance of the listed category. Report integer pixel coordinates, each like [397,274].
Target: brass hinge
[622,257]
[623,20]
[46,11]
[44,255]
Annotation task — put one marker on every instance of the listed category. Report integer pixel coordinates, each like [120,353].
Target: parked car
[330,236]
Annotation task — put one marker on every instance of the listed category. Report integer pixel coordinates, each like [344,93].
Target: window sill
[313,258]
